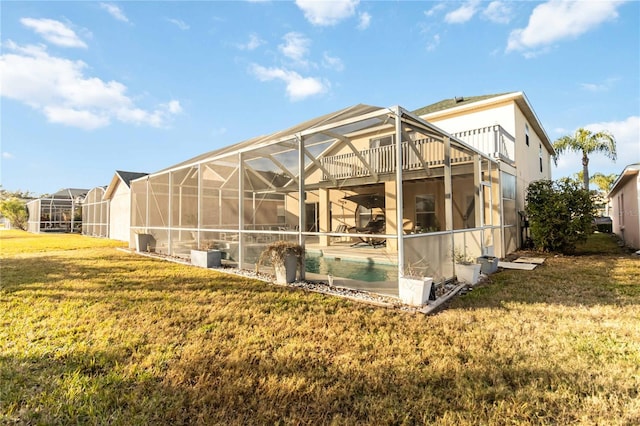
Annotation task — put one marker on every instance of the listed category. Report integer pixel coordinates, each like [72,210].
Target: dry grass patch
[89,334]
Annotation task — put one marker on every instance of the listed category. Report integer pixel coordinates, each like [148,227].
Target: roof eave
[518,97]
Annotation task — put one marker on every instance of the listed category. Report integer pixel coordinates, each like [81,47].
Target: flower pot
[206,258]
[145,242]
[469,274]
[287,273]
[488,264]
[415,291]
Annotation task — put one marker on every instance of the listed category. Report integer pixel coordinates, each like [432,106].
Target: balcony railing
[492,140]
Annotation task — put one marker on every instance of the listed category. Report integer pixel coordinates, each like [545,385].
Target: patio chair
[375,226]
[340,229]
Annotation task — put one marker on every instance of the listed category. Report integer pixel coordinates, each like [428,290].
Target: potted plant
[414,288]
[144,242]
[285,257]
[488,264]
[206,256]
[467,270]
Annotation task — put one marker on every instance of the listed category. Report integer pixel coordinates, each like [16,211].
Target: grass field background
[93,335]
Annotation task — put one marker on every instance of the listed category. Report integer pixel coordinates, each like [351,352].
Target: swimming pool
[362,271]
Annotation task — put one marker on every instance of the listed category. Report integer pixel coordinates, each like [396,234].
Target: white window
[540,155]
[426,213]
[526,134]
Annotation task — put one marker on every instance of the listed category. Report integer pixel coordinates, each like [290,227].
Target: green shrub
[16,211]
[560,214]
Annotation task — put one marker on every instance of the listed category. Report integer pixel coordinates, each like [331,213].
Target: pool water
[362,271]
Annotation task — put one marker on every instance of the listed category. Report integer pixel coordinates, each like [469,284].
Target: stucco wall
[511,118]
[626,218]
[120,213]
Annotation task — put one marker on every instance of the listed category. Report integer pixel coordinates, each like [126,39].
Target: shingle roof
[453,102]
[127,177]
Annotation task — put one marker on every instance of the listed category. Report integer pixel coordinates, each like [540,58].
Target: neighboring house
[60,212]
[341,186]
[625,203]
[106,210]
[520,141]
[118,194]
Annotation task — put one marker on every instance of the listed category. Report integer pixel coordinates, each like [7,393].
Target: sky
[90,87]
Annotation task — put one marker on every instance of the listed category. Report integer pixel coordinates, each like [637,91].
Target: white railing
[491,140]
[383,159]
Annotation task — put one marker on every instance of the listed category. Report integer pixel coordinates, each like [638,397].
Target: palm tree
[603,182]
[587,142]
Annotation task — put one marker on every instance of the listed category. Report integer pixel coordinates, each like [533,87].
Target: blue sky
[93,87]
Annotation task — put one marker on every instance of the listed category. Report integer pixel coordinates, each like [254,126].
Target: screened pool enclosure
[374,186]
[59,212]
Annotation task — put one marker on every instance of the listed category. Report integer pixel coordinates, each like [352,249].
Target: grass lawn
[92,335]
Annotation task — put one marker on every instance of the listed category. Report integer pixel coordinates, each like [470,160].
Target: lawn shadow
[263,387]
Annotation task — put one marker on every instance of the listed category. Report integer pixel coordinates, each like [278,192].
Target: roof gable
[121,177]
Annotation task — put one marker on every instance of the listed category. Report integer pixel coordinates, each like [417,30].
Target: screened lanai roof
[290,133]
[270,155]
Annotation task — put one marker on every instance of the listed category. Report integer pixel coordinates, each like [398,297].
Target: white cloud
[54,32]
[253,43]
[600,87]
[498,12]
[59,89]
[462,14]
[295,47]
[332,62]
[557,20]
[433,43]
[114,11]
[298,87]
[174,107]
[83,119]
[627,134]
[365,21]
[7,155]
[327,13]
[435,9]
[179,23]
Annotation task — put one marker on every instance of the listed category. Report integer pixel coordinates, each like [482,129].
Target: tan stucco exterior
[533,154]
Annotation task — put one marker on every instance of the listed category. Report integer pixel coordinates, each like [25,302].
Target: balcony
[493,141]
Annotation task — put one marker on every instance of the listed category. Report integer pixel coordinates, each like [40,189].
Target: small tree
[16,211]
[560,213]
